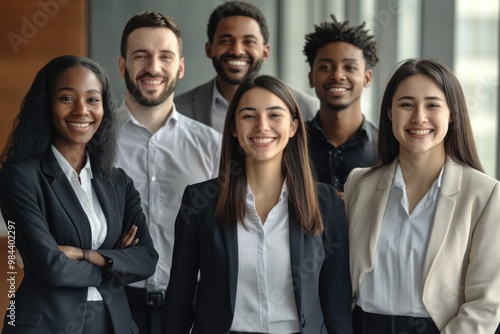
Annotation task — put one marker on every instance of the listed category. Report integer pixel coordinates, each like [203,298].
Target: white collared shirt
[218,109]
[182,152]
[394,286]
[90,203]
[265,301]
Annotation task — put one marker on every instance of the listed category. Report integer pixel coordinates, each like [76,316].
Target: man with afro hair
[341,58]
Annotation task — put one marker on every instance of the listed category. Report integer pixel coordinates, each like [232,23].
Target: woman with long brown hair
[270,244]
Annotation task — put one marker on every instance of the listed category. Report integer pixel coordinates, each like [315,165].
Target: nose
[237,48]
[419,115]
[337,74]
[80,108]
[262,124]
[153,65]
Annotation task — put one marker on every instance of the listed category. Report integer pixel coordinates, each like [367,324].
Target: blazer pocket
[25,319]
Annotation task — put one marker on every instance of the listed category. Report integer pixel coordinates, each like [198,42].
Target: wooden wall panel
[31,33]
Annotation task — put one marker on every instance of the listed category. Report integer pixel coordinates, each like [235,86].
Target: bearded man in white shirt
[162,150]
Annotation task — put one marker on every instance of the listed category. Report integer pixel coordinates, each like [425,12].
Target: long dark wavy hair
[302,195]
[33,129]
[459,141]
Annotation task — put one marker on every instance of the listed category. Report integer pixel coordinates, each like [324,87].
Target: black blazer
[38,199]
[320,268]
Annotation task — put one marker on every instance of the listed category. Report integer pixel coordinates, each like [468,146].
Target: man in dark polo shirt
[341,58]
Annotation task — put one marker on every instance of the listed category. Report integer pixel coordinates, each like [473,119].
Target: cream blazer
[461,275]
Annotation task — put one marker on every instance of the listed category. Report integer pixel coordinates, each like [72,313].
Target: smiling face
[420,117]
[237,49]
[152,65]
[338,76]
[263,126]
[77,110]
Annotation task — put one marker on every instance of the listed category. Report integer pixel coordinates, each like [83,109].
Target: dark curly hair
[237,8]
[33,128]
[336,31]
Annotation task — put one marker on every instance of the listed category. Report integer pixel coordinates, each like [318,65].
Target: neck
[75,156]
[339,126]
[226,89]
[264,179]
[151,117]
[421,168]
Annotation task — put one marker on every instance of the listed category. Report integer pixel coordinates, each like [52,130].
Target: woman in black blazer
[269,244]
[68,208]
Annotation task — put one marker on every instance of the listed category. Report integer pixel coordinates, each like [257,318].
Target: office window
[476,66]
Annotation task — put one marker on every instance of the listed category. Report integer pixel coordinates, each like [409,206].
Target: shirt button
[153,178]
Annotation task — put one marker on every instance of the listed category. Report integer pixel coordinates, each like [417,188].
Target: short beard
[144,100]
[220,71]
[337,107]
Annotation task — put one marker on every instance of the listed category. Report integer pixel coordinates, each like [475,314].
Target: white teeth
[337,89]
[237,62]
[78,125]
[420,132]
[152,82]
[263,140]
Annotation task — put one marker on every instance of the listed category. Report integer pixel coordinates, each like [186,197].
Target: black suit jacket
[38,199]
[320,268]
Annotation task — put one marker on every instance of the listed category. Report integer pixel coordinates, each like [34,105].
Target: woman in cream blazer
[425,142]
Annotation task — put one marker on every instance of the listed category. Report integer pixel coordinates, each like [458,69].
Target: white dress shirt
[90,203]
[394,286]
[182,152]
[218,110]
[265,301]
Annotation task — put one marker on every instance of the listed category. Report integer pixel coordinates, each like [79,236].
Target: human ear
[208,49]
[121,66]
[293,127]
[368,79]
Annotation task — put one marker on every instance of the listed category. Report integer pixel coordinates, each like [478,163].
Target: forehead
[152,39]
[339,52]
[238,26]
[79,78]
[260,98]
[419,85]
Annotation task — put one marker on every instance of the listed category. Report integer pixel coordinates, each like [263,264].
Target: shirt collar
[250,198]
[399,182]
[66,167]
[365,131]
[217,98]
[124,116]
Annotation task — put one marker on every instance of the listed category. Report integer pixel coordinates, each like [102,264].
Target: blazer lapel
[450,185]
[231,241]
[67,197]
[103,189]
[296,256]
[375,211]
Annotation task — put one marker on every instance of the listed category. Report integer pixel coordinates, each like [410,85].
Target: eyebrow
[93,91]
[343,60]
[231,36]
[268,108]
[148,52]
[427,98]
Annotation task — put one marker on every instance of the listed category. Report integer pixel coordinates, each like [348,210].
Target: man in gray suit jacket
[238,44]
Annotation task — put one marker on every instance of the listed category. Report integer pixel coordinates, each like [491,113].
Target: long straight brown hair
[302,194]
[459,141]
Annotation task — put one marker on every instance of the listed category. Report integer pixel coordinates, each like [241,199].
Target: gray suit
[197,103]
